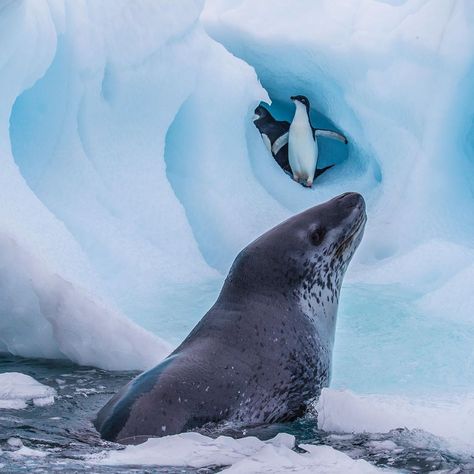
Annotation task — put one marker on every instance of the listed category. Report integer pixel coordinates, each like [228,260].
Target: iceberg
[396,78]
[132,174]
[342,411]
[109,129]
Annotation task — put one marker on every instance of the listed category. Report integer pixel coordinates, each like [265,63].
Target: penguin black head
[301,98]
[261,113]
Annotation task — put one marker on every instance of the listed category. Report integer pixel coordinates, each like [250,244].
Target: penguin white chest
[302,147]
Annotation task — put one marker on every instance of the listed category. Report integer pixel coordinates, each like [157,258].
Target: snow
[43,315]
[245,455]
[343,411]
[386,445]
[22,450]
[17,389]
[15,442]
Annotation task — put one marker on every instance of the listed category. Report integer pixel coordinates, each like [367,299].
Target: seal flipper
[320,132]
[112,418]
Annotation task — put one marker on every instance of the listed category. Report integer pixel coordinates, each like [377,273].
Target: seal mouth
[356,229]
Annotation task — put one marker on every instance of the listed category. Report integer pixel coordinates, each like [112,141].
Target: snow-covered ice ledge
[17,390]
[243,456]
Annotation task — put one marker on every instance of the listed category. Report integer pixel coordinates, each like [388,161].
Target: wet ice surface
[61,436]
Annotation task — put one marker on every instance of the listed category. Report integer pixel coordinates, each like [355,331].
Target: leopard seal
[263,352]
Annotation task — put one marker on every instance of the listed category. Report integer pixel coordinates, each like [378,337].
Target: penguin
[275,136]
[303,143]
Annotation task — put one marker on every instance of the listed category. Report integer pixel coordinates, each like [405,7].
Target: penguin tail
[320,171]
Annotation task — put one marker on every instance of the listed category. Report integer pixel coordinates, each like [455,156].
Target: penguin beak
[293,98]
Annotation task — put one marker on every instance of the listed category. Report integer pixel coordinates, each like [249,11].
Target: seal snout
[353,206]
[351,200]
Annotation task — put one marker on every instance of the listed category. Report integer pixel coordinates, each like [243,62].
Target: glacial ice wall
[98,212]
[397,78]
[132,174]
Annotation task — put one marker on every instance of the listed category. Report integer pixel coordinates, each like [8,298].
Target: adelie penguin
[275,136]
[303,143]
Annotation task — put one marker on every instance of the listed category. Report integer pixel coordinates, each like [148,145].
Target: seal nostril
[349,200]
[353,201]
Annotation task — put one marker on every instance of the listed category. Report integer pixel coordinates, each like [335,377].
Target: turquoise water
[384,345]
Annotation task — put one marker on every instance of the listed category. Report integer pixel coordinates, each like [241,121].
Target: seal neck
[239,293]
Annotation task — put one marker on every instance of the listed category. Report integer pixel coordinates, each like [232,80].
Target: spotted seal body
[263,351]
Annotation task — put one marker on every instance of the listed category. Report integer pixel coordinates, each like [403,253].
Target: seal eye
[317,236]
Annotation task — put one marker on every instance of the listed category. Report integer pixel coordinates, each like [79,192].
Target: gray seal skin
[263,352]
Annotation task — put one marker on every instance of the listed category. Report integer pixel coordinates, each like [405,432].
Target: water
[64,430]
[384,344]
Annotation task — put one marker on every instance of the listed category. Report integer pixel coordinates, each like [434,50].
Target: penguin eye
[317,236]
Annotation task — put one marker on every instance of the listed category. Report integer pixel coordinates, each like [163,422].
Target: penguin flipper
[320,171]
[279,143]
[267,142]
[319,132]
